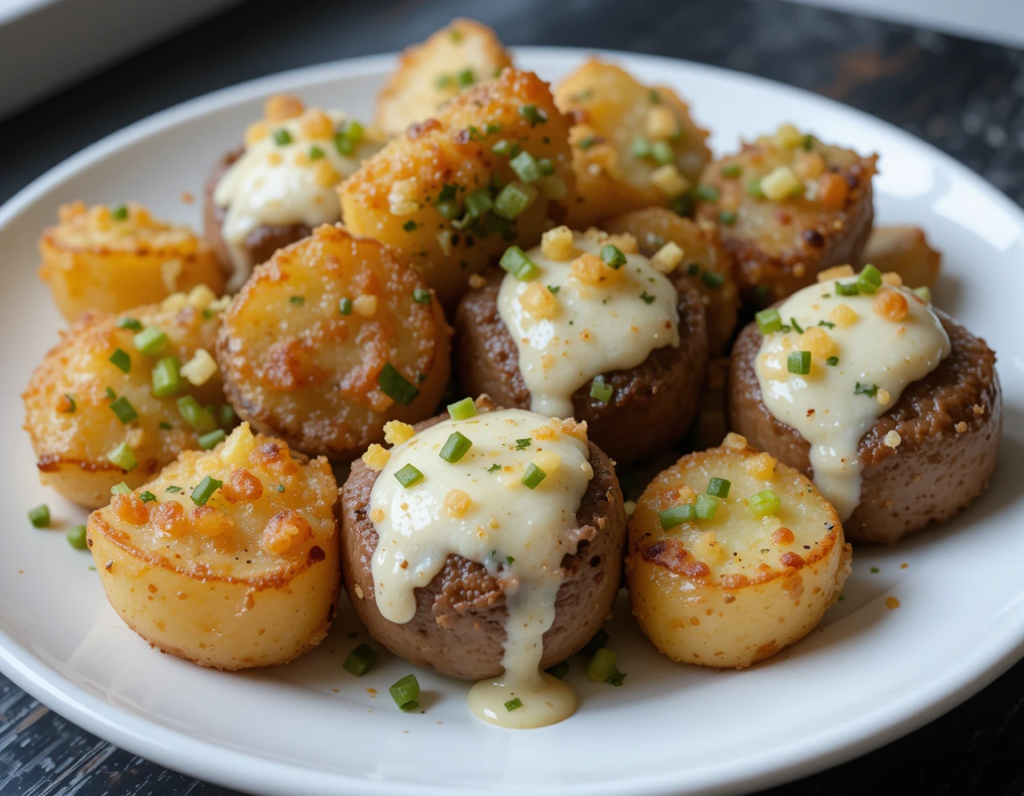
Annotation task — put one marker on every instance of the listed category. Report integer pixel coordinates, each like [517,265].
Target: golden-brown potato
[905,251]
[736,588]
[229,559]
[448,201]
[788,207]
[634,146]
[111,259]
[429,74]
[77,396]
[333,336]
[704,258]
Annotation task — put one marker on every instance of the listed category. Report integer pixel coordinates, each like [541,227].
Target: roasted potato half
[229,558]
[633,146]
[333,336]
[789,206]
[728,581]
[429,74]
[90,407]
[700,254]
[111,259]
[905,251]
[490,169]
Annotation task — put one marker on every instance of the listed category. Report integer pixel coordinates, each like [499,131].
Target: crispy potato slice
[789,207]
[733,590]
[73,397]
[429,74]
[111,259]
[248,576]
[905,251]
[704,258]
[311,344]
[414,195]
[634,146]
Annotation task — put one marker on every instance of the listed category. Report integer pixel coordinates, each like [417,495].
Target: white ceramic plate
[867,676]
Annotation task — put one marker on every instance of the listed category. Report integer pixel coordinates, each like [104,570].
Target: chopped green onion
[827,324]
[613,256]
[150,341]
[173,489]
[512,200]
[833,361]
[719,487]
[121,361]
[76,537]
[410,226]
[869,390]
[345,306]
[509,560]
[494,468]
[205,490]
[523,444]
[727,217]
[478,202]
[799,362]
[653,97]
[807,142]
[875,570]
[505,147]
[617,678]
[449,209]
[731,170]
[406,692]
[764,504]
[343,144]
[601,390]
[39,516]
[455,447]
[647,298]
[395,386]
[462,410]
[147,496]
[465,77]
[796,326]
[670,518]
[119,212]
[282,137]
[315,152]
[707,193]
[768,321]
[693,269]
[706,507]
[201,419]
[559,670]
[924,293]
[124,410]
[683,205]
[72,406]
[546,166]
[166,377]
[421,296]
[165,425]
[754,188]
[360,660]
[353,131]
[212,440]
[602,666]
[525,167]
[408,476]
[846,290]
[641,148]
[662,153]
[554,289]
[514,703]
[711,279]
[533,114]
[534,475]
[517,263]
[124,489]
[869,280]
[129,323]
[123,457]
[599,639]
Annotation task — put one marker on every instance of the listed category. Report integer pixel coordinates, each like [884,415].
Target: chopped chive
[807,142]
[512,704]
[360,660]
[315,152]
[613,256]
[123,489]
[510,560]
[129,323]
[71,405]
[449,209]
[205,490]
[353,131]
[647,298]
[119,212]
[124,410]
[706,507]
[200,418]
[525,167]
[727,217]
[505,147]
[517,263]
[478,202]
[559,670]
[282,137]
[150,341]
[173,489]
[345,306]
[147,496]
[641,148]
[533,114]
[121,361]
[462,410]
[719,487]
[799,362]
[662,153]
[212,440]
[226,416]
[617,678]
[754,188]
[408,476]
[875,570]
[421,296]
[869,280]
[395,386]
[602,666]
[796,326]
[554,289]
[465,77]
[447,193]
[833,361]
[600,390]
[707,193]
[76,537]
[523,444]
[869,390]
[924,293]
[343,144]
[123,457]
[533,476]
[455,447]
[677,515]
[494,468]
[410,226]
[165,425]
[546,166]
[827,324]
[39,516]
[166,377]
[731,170]
[711,279]
[512,200]
[406,692]
[846,290]
[298,301]
[764,503]
[692,269]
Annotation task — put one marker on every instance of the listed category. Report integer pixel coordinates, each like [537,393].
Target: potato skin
[780,246]
[297,368]
[190,595]
[611,111]
[652,406]
[905,251]
[72,447]
[427,74]
[655,226]
[699,604]
[949,423]
[94,262]
[459,626]
[394,195]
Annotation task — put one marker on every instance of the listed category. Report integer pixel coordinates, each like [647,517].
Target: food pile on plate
[490,302]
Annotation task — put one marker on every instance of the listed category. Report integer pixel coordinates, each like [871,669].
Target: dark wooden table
[965,97]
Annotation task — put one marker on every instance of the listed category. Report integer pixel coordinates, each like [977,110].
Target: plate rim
[240,770]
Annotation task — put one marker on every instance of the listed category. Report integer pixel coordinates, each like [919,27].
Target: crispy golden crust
[949,425]
[298,368]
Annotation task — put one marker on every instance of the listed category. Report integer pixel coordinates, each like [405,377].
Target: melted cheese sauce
[595,329]
[519,535]
[826,406]
[273,184]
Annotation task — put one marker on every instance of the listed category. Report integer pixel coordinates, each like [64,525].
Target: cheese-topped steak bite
[113,258]
[633,146]
[281,184]
[486,545]
[789,206]
[429,74]
[584,326]
[489,168]
[228,559]
[893,407]
[732,557]
[121,396]
[329,339]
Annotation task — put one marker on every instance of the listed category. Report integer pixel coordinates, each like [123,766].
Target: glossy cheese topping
[281,184]
[864,350]
[578,319]
[479,508]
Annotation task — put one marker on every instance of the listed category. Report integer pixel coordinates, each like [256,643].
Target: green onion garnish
[478,202]
[869,390]
[166,377]
[523,444]
[554,289]
[150,341]
[360,660]
[647,298]
[846,290]
[924,293]
[462,410]
[124,489]
[282,137]
[408,476]
[76,537]
[421,296]
[121,361]
[764,504]
[315,152]
[395,386]
[833,361]
[727,217]
[406,692]
[546,166]
[465,77]
[119,212]
[514,703]
[754,188]
[706,507]
[205,490]
[147,496]
[298,301]
[343,144]
[512,200]
[449,209]
[72,406]
[533,114]
[505,147]
[613,256]
[796,326]
[707,193]
[719,487]
[212,440]
[869,280]
[165,425]
[533,476]
[525,167]
[807,142]
[124,410]
[455,447]
[559,670]
[173,489]
[768,321]
[641,148]
[517,263]
[345,306]
[662,153]
[39,516]
[601,666]
[731,170]
[677,515]
[200,418]
[129,323]
[123,457]
[600,390]
[827,324]
[410,226]
[799,362]
[711,279]
[652,97]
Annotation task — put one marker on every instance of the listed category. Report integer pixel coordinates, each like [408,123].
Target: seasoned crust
[653,404]
[949,424]
[459,626]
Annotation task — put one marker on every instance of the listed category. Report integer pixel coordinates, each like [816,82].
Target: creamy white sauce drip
[267,186]
[519,535]
[595,330]
[823,406]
